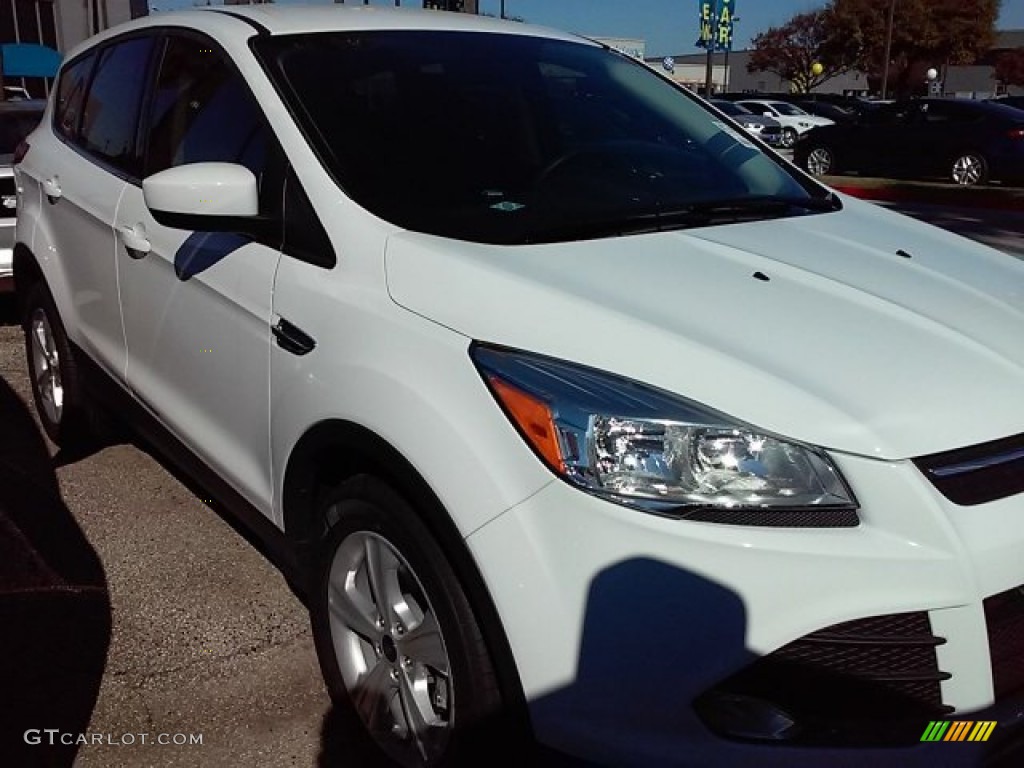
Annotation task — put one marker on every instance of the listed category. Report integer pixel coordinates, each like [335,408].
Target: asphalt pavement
[132,613]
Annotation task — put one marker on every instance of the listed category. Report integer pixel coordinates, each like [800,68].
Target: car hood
[862,331]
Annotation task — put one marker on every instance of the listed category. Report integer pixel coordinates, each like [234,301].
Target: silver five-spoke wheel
[46,365]
[390,650]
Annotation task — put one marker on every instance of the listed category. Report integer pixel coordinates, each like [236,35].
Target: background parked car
[1010,101]
[17,119]
[837,113]
[966,141]
[768,129]
[794,120]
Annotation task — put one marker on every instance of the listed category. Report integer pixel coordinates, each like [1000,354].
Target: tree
[792,50]
[926,33]
[1010,67]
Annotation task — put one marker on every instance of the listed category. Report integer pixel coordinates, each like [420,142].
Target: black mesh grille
[979,473]
[778,518]
[1004,616]
[896,652]
[870,680]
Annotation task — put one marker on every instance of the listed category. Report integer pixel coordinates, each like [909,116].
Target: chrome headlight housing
[643,447]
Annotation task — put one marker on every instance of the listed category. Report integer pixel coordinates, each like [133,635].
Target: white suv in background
[794,120]
[574,414]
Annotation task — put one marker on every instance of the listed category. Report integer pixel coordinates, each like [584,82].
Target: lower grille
[872,680]
[1004,617]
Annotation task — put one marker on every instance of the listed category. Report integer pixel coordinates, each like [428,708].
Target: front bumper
[642,616]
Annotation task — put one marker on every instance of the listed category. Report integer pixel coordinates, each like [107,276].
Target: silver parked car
[17,119]
[768,129]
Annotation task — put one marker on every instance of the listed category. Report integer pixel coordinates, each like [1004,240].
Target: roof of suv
[289,19]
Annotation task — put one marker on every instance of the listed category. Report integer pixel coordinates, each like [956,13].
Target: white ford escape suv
[572,408]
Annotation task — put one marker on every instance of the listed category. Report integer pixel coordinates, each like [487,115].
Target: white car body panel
[198,345]
[80,221]
[883,321]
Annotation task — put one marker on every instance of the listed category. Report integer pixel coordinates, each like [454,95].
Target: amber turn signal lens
[534,419]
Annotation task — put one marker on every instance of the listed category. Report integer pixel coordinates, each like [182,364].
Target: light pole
[732,34]
[888,48]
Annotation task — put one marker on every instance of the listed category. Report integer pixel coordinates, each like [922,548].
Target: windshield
[787,109]
[506,138]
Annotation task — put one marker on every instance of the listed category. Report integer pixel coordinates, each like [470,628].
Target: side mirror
[211,197]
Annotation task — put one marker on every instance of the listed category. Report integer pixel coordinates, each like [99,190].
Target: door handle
[51,188]
[292,339]
[135,242]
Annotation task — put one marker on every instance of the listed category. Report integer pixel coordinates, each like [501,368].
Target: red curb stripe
[991,201]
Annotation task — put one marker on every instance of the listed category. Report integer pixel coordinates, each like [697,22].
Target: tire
[821,161]
[969,169]
[788,137]
[417,655]
[68,417]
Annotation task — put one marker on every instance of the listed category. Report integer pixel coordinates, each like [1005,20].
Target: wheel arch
[26,272]
[30,269]
[334,450]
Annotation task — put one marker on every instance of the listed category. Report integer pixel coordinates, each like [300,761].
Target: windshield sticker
[507,206]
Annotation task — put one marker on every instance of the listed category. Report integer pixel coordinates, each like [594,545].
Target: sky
[668,27]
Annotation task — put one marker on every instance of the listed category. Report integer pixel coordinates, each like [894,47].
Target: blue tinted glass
[112,106]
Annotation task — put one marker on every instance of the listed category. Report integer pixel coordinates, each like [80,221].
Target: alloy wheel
[819,161]
[968,170]
[390,649]
[46,366]
[788,137]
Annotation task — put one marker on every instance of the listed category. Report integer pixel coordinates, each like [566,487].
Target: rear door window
[71,88]
[111,114]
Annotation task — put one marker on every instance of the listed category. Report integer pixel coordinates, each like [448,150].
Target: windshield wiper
[765,204]
[697,214]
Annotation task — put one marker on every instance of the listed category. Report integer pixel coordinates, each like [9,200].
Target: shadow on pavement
[8,309]
[55,615]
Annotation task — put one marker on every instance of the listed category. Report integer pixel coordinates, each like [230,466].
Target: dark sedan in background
[967,142]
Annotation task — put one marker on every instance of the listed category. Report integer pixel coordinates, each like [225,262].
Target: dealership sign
[715,22]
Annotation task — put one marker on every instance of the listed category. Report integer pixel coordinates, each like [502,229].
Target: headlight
[644,447]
